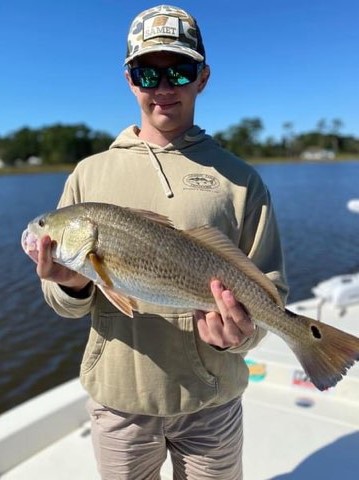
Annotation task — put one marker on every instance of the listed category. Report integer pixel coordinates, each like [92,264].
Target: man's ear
[129,81]
[205,74]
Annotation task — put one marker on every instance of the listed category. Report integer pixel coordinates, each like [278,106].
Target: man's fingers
[44,258]
[210,327]
[232,313]
[217,290]
[202,326]
[230,326]
[238,315]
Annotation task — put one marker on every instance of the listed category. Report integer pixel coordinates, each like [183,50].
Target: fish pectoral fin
[100,269]
[125,304]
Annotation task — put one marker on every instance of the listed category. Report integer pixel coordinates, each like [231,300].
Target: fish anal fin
[125,304]
[217,241]
[100,269]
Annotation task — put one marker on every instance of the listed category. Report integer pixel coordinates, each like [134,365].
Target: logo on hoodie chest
[200,181]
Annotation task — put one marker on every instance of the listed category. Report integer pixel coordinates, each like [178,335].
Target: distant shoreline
[61,168]
[67,168]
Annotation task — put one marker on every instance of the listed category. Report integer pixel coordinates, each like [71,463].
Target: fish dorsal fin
[154,217]
[217,241]
[125,304]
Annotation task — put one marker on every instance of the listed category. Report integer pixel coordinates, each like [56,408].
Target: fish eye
[41,222]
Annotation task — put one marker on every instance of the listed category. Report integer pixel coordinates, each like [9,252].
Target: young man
[168,379]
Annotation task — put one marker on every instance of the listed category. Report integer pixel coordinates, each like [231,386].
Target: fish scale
[139,256]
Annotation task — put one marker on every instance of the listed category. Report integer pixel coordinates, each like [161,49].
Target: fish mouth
[29,243]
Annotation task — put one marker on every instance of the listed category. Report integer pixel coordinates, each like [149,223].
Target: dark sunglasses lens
[178,75]
[182,74]
[145,77]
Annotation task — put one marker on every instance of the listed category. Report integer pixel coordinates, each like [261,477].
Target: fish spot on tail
[330,354]
[316,332]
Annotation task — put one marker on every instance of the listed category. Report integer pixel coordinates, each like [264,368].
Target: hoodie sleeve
[60,301]
[260,240]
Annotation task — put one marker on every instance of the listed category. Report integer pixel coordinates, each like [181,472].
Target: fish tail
[328,355]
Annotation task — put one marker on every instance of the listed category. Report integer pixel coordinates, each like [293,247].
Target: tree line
[67,144]
[244,139]
[55,144]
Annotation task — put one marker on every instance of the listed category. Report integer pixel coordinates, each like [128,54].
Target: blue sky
[280,60]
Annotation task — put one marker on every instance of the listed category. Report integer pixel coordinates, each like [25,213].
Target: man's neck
[158,137]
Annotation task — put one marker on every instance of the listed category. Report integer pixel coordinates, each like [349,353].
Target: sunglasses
[177,75]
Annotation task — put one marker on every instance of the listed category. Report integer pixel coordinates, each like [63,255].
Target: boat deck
[291,431]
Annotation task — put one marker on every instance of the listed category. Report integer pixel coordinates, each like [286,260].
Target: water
[39,350]
[319,234]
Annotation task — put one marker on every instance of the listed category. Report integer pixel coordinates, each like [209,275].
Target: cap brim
[166,48]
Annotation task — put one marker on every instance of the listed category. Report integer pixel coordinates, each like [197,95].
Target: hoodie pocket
[190,347]
[95,344]
[148,364]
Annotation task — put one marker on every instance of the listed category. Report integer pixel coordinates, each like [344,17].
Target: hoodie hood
[129,139]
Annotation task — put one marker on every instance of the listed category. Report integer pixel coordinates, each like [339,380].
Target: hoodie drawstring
[157,166]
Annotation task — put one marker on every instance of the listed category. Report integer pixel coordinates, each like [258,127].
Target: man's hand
[47,269]
[230,327]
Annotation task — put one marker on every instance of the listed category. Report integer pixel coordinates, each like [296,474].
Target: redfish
[136,255]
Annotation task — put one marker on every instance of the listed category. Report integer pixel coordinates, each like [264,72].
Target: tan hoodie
[155,363]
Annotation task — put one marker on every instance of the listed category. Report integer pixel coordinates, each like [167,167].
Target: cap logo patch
[161,26]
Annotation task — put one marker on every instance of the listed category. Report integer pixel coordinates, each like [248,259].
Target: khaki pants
[206,444]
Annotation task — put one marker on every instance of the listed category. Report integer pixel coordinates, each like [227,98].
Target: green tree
[65,143]
[321,128]
[242,139]
[336,126]
[20,145]
[100,141]
[288,137]
[271,148]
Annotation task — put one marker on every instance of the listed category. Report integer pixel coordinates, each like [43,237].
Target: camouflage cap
[165,28]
